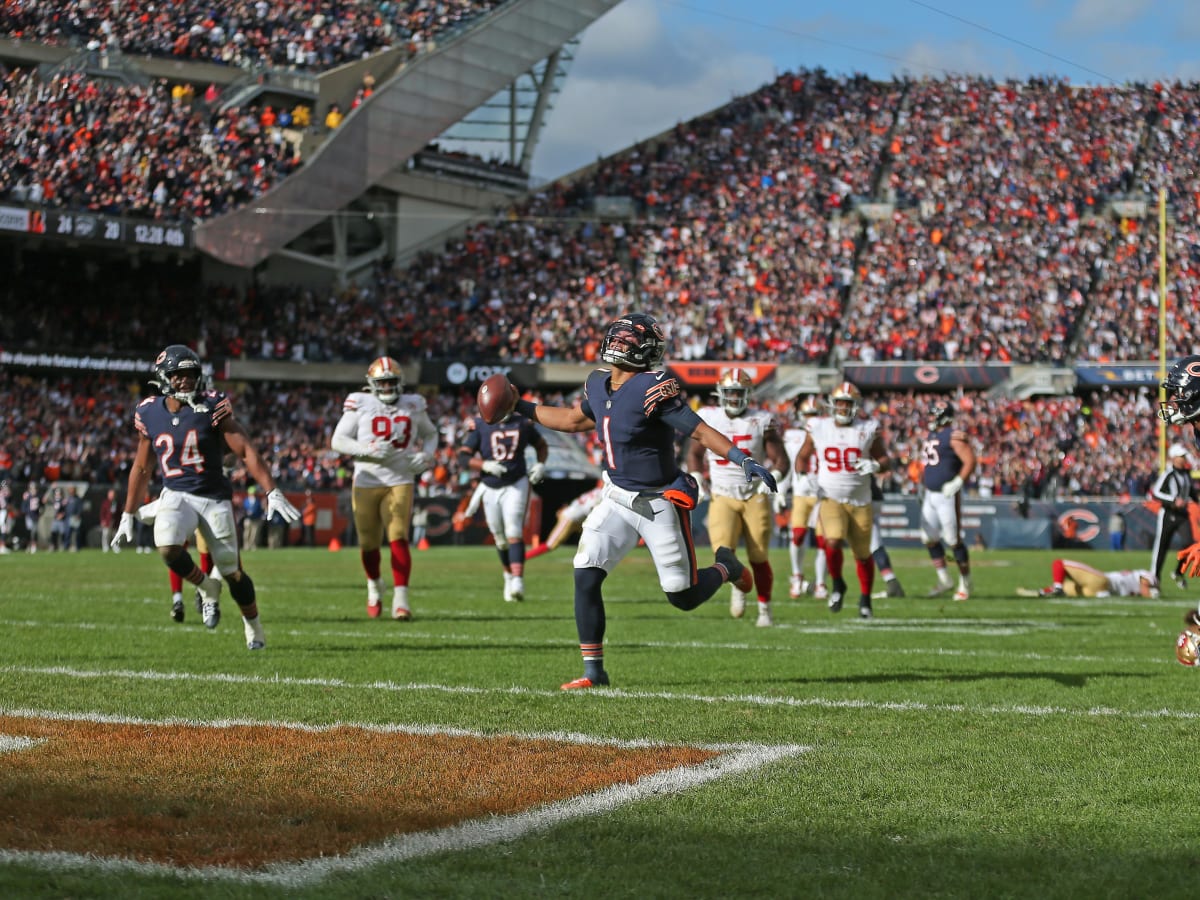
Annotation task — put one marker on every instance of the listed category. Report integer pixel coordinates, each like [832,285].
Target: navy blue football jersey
[504,442]
[639,446]
[941,462]
[189,445]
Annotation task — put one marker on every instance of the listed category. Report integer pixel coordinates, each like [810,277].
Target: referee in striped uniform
[1173,490]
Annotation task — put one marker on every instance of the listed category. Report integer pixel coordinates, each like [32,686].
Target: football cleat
[737,603]
[585,682]
[177,610]
[895,588]
[199,603]
[943,587]
[820,592]
[400,610]
[516,589]
[256,638]
[864,607]
[764,616]
[962,593]
[837,596]
[1179,580]
[796,587]
[739,576]
[210,609]
[1052,592]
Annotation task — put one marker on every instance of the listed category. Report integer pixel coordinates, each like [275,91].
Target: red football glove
[1189,559]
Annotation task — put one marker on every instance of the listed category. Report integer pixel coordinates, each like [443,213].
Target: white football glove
[493,467]
[419,462]
[124,531]
[763,488]
[702,483]
[537,473]
[782,502]
[952,487]
[277,503]
[866,466]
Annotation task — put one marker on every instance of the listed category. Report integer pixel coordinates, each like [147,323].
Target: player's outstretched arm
[557,418]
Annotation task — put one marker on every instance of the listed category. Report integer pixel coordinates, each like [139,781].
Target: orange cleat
[374,610]
[581,683]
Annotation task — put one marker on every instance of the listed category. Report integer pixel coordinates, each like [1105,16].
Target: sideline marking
[732,759]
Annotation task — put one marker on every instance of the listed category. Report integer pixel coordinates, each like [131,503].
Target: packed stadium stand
[988,239]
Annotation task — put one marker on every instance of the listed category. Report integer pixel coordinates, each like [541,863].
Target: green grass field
[1002,747]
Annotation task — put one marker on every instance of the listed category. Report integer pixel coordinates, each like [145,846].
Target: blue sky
[649,64]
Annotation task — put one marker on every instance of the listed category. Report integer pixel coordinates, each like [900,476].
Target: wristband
[736,456]
[527,408]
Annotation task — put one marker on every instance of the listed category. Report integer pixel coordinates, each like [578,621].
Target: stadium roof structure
[421,101]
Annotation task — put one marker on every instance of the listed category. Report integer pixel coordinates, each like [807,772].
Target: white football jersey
[839,447]
[747,432]
[802,485]
[405,423]
[1128,582]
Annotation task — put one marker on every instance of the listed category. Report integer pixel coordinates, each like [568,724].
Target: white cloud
[634,77]
[1098,16]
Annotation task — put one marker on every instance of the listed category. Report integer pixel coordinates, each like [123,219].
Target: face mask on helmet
[733,391]
[385,380]
[177,362]
[940,416]
[1182,387]
[634,342]
[845,401]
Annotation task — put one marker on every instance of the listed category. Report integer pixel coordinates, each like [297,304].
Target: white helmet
[385,380]
[845,400]
[733,391]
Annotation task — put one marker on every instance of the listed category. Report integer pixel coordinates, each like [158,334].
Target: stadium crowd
[87,145]
[78,427]
[309,35]
[740,232]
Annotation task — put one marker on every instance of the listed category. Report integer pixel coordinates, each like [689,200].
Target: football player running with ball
[392,440]
[499,451]
[739,507]
[636,412]
[849,450]
[189,429]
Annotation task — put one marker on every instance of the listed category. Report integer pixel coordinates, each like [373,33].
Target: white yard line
[764,700]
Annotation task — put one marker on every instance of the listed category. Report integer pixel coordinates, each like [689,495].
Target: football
[496,399]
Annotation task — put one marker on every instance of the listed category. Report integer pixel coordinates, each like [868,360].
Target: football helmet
[179,360]
[385,380]
[809,407]
[1187,645]
[941,415]
[635,341]
[733,391]
[845,400]
[1182,387]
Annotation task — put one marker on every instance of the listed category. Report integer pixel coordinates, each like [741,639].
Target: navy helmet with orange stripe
[1182,387]
[634,341]
[179,360]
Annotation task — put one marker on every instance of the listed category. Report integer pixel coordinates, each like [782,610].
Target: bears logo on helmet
[385,380]
[733,391]
[1182,387]
[179,359]
[635,341]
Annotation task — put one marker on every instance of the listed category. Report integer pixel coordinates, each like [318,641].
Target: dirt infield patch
[247,795]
